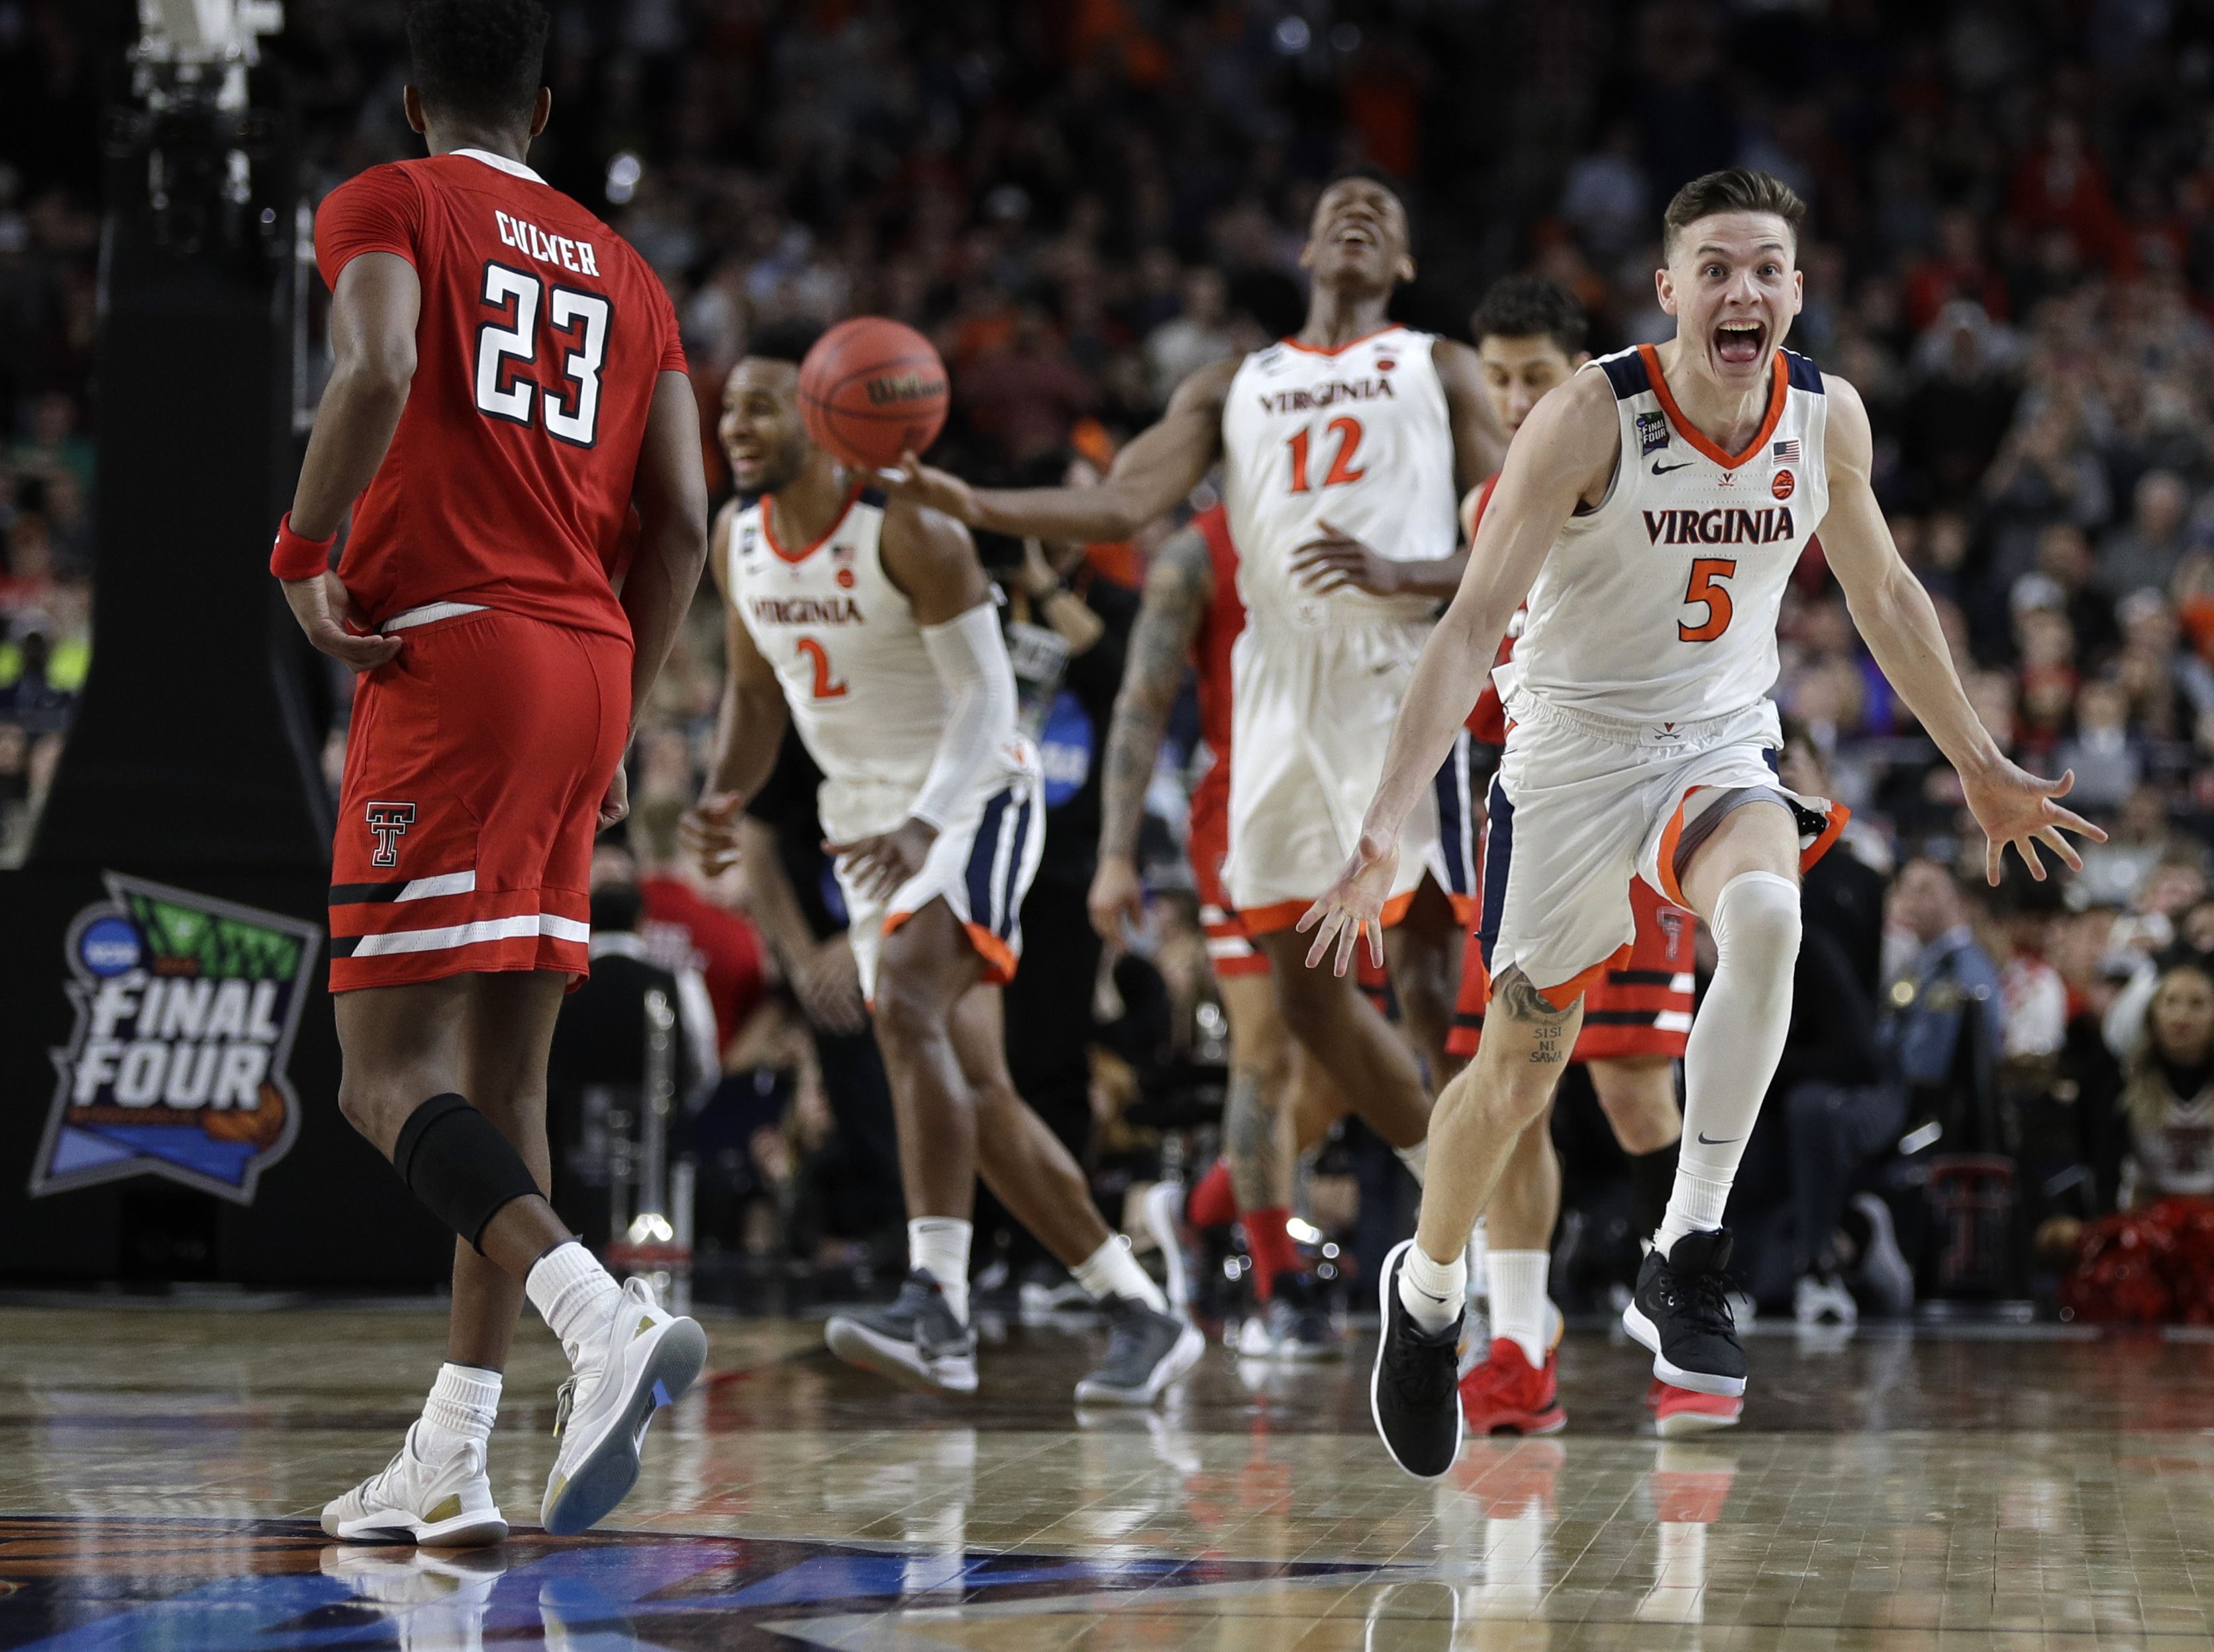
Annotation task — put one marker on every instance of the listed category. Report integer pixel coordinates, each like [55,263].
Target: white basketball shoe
[440,1505]
[644,1359]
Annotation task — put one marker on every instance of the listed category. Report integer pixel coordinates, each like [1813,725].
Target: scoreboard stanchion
[168,1063]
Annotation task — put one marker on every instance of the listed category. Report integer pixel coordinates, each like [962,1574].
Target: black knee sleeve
[455,1160]
[1652,1178]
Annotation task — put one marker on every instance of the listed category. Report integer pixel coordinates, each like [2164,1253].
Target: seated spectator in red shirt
[2061,185]
[1957,270]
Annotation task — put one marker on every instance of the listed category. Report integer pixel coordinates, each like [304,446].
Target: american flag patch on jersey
[1787,451]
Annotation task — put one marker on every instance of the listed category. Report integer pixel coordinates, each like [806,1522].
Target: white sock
[1112,1270]
[1433,1292]
[1479,1247]
[1517,1300]
[1416,1158]
[574,1294]
[940,1246]
[1735,1044]
[464,1403]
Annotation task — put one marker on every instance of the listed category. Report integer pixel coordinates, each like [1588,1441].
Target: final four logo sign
[186,1008]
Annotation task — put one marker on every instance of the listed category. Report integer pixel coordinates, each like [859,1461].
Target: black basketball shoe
[1681,1311]
[1410,1391]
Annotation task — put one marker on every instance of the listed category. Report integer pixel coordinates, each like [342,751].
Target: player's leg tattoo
[1515,999]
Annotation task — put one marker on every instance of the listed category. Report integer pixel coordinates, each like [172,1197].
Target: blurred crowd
[2010,251]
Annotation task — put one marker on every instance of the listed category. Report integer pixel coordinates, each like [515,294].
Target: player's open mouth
[1738,343]
[1358,235]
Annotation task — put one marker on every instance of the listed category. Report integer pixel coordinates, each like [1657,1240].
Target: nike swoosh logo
[1659,469]
[1706,1140]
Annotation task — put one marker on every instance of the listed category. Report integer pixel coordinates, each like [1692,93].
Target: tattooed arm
[1179,587]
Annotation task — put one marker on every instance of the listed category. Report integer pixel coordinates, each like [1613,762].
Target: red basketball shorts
[1639,1006]
[1230,946]
[476,766]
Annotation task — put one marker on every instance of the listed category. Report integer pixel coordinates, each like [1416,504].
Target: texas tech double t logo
[389,822]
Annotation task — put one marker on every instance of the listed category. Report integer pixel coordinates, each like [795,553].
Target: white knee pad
[1756,924]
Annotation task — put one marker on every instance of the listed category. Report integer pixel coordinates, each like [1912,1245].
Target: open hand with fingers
[709,831]
[335,623]
[1336,561]
[1354,905]
[880,864]
[2014,806]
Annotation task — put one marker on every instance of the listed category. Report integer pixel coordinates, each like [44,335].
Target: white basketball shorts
[1312,711]
[1580,806]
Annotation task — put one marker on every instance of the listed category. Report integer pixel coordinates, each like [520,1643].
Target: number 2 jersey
[844,643]
[508,483]
[1660,606]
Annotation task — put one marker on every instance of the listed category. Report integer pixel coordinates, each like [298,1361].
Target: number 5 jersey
[508,483]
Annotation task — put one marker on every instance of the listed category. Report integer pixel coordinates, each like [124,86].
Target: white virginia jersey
[1661,606]
[846,648]
[1357,436]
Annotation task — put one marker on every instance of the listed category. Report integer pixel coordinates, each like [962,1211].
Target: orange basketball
[871,389]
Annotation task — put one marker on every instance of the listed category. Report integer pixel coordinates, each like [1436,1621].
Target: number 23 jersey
[1660,606]
[541,334]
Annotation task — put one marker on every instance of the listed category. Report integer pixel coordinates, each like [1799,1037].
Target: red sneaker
[1502,1394]
[1510,1478]
[1690,1484]
[1678,1411]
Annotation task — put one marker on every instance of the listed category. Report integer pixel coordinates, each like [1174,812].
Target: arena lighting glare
[194,123]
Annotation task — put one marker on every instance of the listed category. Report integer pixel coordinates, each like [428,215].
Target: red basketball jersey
[508,483]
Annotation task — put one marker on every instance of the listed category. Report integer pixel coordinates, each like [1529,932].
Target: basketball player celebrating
[871,624]
[508,390]
[1652,510]
[1530,335]
[1343,441]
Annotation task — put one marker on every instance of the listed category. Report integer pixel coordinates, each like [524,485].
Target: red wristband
[296,557]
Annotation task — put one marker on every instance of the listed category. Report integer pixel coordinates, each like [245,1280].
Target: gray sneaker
[1146,1351]
[916,1341]
[1294,1324]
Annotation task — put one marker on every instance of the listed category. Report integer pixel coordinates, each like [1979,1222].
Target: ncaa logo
[1782,486]
[388,822]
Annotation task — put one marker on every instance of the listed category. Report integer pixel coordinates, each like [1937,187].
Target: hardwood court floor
[160,1469]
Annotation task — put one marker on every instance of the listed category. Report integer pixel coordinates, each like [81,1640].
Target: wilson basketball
[871,389]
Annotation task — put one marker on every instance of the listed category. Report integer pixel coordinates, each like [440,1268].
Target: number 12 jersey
[542,333]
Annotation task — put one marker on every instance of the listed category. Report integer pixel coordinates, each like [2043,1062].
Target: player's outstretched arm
[1896,617]
[932,561]
[1566,453]
[372,329]
[1479,440]
[1179,585]
[1150,476]
[748,730]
